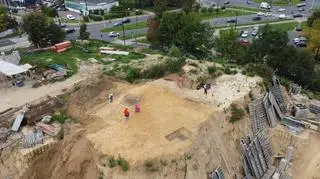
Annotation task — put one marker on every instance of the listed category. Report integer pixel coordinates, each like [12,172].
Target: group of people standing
[126,112]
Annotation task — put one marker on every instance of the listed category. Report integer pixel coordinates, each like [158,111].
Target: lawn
[223,13]
[245,8]
[129,26]
[144,40]
[279,2]
[151,9]
[66,58]
[285,26]
[128,36]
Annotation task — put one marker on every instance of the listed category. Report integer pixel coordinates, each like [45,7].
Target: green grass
[144,40]
[278,2]
[285,26]
[223,13]
[129,36]
[66,58]
[130,26]
[151,9]
[245,8]
[252,23]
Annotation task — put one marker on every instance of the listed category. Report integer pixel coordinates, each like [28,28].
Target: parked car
[282,16]
[255,32]
[126,21]
[117,24]
[281,9]
[256,18]
[245,34]
[113,34]
[296,40]
[226,2]
[298,28]
[297,15]
[244,42]
[256,28]
[69,30]
[260,14]
[264,5]
[301,4]
[301,9]
[231,21]
[301,44]
[70,17]
[267,14]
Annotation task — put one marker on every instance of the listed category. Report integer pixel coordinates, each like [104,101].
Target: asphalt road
[5,42]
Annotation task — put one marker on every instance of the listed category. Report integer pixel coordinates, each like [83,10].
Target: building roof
[17,122]
[10,69]
[94,2]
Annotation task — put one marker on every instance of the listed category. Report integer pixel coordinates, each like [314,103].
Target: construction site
[179,131]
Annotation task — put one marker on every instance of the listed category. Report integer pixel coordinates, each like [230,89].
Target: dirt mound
[73,157]
[93,91]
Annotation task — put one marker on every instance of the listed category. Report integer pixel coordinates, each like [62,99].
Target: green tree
[204,10]
[313,36]
[127,3]
[174,51]
[6,21]
[187,5]
[270,41]
[84,35]
[49,11]
[160,6]
[35,25]
[54,33]
[315,15]
[226,43]
[186,31]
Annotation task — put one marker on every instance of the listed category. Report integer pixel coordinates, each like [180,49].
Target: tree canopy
[84,35]
[6,21]
[41,32]
[186,31]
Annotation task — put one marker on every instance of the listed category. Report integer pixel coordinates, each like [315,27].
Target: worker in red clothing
[126,114]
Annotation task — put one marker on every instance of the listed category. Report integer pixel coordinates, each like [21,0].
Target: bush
[96,17]
[204,10]
[236,113]
[139,12]
[156,71]
[174,51]
[175,65]
[85,18]
[210,10]
[123,164]
[59,117]
[133,74]
[112,162]
[228,71]
[212,69]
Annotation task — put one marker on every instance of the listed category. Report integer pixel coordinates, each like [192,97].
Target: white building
[82,6]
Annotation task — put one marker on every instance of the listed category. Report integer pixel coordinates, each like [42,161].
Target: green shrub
[139,12]
[174,51]
[133,74]
[194,64]
[60,118]
[204,10]
[112,162]
[123,164]
[95,17]
[212,69]
[156,71]
[85,18]
[228,71]
[210,10]
[236,113]
[175,65]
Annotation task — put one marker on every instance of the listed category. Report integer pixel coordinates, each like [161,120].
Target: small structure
[294,89]
[300,111]
[315,106]
[17,122]
[13,58]
[84,6]
[217,174]
[13,73]
[61,47]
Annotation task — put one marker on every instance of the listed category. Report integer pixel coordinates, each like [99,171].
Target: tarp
[10,69]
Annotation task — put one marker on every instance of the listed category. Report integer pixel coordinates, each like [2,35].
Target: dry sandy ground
[167,110]
[14,97]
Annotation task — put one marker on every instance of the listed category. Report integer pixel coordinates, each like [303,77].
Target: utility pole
[123,33]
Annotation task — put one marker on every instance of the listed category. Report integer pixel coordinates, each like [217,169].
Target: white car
[281,9]
[296,40]
[256,28]
[245,34]
[267,14]
[113,34]
[260,14]
[282,16]
[70,17]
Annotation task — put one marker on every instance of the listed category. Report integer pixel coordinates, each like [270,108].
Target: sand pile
[73,157]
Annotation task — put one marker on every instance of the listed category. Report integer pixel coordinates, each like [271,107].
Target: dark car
[231,21]
[126,21]
[226,2]
[256,18]
[297,15]
[301,44]
[69,30]
[14,10]
[298,28]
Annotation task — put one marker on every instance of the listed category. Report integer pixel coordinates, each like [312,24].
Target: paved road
[5,42]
